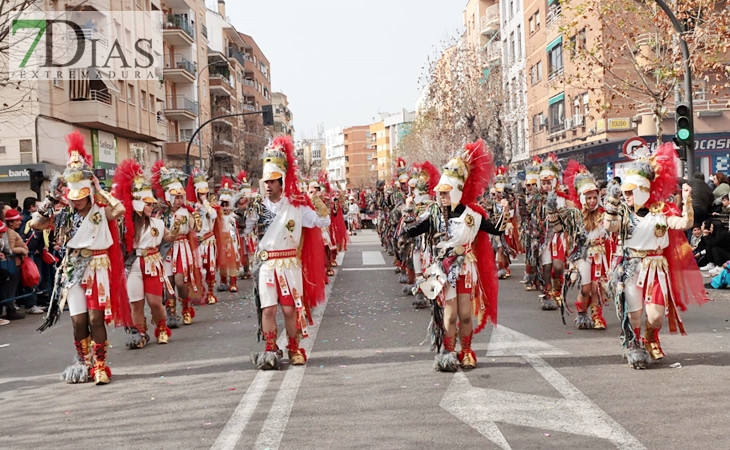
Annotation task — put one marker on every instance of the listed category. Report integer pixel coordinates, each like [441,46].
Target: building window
[512,47]
[586,105]
[531,22]
[122,88]
[26,151]
[557,113]
[539,71]
[533,74]
[2,150]
[511,9]
[537,20]
[143,100]
[519,41]
[555,60]
[130,95]
[58,83]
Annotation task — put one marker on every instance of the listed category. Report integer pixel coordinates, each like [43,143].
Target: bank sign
[13,173]
[79,45]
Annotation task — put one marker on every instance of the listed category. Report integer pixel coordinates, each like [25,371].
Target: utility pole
[689,143]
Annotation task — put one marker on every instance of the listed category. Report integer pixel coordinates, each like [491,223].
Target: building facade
[283,117]
[359,153]
[335,151]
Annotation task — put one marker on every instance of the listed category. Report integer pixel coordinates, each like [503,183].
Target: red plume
[481,168]
[242,175]
[75,142]
[433,175]
[155,179]
[190,189]
[291,187]
[123,178]
[400,162]
[226,183]
[537,160]
[664,163]
[568,180]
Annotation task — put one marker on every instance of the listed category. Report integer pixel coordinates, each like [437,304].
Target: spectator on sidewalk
[698,246]
[722,279]
[725,205]
[18,249]
[29,207]
[722,188]
[717,242]
[702,197]
[5,255]
[14,204]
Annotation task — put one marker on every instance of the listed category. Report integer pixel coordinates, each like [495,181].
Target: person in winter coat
[702,197]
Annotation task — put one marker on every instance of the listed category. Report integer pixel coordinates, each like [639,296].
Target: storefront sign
[20,172]
[619,124]
[107,148]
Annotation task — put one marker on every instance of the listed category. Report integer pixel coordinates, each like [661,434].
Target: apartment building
[512,31]
[226,75]
[283,117]
[335,151]
[309,153]
[565,119]
[380,141]
[186,82]
[120,118]
[359,152]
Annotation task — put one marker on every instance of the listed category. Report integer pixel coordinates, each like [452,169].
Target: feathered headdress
[500,180]
[155,178]
[550,168]
[664,163]
[323,180]
[78,174]
[280,163]
[401,170]
[583,184]
[167,183]
[226,192]
[428,178]
[133,190]
[466,176]
[532,171]
[571,171]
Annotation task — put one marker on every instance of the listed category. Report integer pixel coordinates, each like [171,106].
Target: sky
[341,62]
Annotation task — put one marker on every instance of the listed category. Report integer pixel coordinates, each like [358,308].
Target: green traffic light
[683,134]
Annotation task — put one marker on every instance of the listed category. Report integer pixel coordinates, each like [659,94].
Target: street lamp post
[690,147]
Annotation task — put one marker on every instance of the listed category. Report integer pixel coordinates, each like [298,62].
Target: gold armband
[319,207]
[197,221]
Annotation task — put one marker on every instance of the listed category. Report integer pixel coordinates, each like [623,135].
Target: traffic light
[36,181]
[268,114]
[684,135]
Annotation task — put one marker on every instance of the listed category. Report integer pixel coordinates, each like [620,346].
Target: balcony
[180,107]
[90,34]
[489,22]
[247,82]
[179,69]
[222,84]
[95,111]
[224,147]
[178,30]
[248,107]
[492,51]
[223,111]
[234,53]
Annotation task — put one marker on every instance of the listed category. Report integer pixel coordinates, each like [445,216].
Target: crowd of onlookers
[18,241]
[710,238]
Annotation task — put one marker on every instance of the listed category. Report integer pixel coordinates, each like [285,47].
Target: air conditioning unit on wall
[578,120]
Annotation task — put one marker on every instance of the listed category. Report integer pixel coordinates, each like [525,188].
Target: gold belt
[644,253]
[85,252]
[143,252]
[266,255]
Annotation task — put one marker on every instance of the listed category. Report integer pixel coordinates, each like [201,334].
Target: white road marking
[281,409]
[370,258]
[233,430]
[576,414]
[340,258]
[357,269]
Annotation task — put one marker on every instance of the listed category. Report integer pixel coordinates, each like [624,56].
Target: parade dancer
[143,235]
[90,278]
[353,216]
[462,282]
[244,201]
[289,264]
[655,271]
[181,260]
[320,189]
[229,233]
[338,227]
[592,267]
[395,202]
[499,212]
[552,244]
[205,216]
[422,208]
[531,226]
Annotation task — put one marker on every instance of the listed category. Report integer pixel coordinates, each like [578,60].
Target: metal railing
[179,22]
[236,54]
[161,118]
[97,96]
[181,102]
[230,81]
[89,34]
[490,16]
[179,61]
[248,107]
[248,82]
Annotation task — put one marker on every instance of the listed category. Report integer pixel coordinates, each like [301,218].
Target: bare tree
[466,101]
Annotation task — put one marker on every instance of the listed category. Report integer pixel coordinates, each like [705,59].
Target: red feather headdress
[569,175]
[242,177]
[124,176]
[75,143]
[431,172]
[155,179]
[664,163]
[480,164]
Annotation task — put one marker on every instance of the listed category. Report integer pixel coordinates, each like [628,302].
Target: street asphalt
[369,382]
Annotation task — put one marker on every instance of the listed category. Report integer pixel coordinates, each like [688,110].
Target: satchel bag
[29,274]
